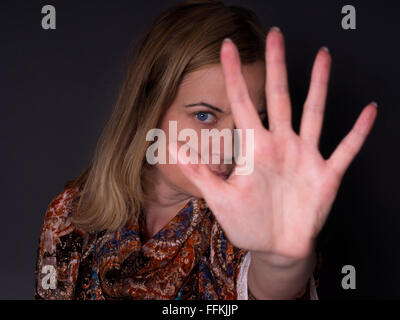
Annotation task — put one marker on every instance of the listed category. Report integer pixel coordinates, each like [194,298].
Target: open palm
[282,205]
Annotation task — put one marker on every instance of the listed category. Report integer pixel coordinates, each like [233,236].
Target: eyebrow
[204,104]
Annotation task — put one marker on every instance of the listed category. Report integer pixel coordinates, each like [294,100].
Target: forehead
[209,83]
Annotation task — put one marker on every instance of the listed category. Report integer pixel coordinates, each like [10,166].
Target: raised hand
[282,205]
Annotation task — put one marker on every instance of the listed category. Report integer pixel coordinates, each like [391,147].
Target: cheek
[171,173]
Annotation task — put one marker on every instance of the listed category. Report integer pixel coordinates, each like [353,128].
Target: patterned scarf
[189,258]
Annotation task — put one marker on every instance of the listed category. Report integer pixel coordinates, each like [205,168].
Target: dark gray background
[58,88]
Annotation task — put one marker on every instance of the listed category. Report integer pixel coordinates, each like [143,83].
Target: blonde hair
[184,38]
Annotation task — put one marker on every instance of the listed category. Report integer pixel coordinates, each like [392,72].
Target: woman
[129,229]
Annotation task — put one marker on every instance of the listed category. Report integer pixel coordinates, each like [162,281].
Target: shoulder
[61,208]
[60,248]
[57,221]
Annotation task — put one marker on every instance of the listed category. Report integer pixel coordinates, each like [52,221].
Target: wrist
[277,260]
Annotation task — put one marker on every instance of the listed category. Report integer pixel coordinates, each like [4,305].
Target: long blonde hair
[184,38]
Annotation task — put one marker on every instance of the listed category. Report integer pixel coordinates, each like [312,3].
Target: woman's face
[207,86]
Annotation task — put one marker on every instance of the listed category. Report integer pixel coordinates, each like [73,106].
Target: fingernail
[325,48]
[227,40]
[374,103]
[275,28]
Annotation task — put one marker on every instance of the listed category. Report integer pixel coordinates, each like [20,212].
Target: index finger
[243,111]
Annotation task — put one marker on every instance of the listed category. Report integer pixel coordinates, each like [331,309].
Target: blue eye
[206,117]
